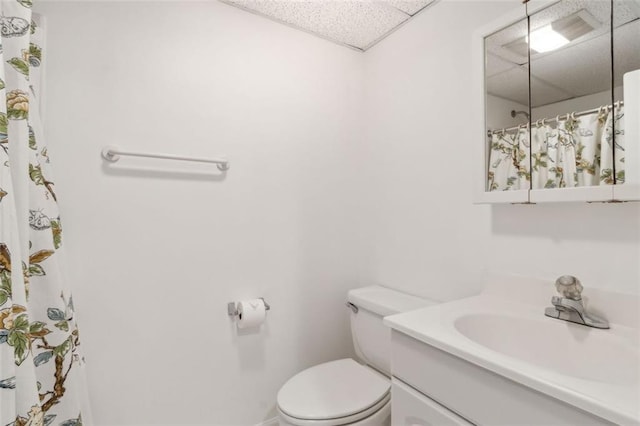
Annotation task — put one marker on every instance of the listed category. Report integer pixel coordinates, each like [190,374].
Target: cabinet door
[411,408]
[502,82]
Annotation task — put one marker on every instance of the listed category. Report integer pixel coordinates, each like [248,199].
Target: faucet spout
[570,307]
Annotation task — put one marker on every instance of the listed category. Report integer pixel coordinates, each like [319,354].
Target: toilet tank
[371,338]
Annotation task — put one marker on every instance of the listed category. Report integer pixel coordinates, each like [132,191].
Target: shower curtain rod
[113,153]
[556,118]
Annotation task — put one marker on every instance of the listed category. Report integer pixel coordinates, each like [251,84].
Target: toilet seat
[377,410]
[334,393]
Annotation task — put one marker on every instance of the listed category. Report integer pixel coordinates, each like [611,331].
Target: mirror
[571,94]
[555,100]
[507,110]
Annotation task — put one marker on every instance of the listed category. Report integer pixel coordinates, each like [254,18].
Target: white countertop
[616,400]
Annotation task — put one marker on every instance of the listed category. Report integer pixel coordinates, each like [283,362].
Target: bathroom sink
[566,348]
[507,334]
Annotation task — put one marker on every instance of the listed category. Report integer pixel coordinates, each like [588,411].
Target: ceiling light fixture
[545,39]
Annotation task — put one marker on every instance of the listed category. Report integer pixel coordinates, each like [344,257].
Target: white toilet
[345,392]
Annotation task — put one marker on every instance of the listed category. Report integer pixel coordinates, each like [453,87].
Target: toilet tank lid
[385,301]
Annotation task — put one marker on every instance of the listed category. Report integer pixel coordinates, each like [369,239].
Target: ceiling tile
[495,65]
[512,85]
[585,68]
[410,7]
[626,53]
[582,69]
[625,11]
[543,93]
[352,22]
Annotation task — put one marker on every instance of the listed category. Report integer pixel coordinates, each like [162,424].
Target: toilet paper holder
[232,307]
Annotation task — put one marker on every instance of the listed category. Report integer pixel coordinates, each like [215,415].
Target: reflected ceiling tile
[355,23]
[496,65]
[545,94]
[590,70]
[512,85]
[626,56]
[625,11]
[408,6]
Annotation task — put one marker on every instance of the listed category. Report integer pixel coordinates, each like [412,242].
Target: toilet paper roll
[251,313]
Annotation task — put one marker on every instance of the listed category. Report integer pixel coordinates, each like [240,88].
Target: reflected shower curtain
[613,123]
[579,151]
[509,160]
[573,152]
[41,373]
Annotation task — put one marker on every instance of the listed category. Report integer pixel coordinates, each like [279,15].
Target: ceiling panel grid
[359,24]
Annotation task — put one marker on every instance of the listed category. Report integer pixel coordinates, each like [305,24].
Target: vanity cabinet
[412,408]
[435,387]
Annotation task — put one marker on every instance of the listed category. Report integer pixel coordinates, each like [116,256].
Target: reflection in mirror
[626,58]
[507,108]
[572,118]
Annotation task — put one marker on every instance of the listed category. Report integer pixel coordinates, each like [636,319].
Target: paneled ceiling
[359,24]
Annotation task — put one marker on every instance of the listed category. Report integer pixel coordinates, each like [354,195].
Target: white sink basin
[566,348]
[507,333]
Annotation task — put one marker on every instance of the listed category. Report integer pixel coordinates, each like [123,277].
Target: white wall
[157,249]
[498,113]
[424,235]
[318,198]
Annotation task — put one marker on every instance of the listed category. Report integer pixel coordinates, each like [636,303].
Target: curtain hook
[573,116]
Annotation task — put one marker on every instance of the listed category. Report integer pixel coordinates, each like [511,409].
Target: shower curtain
[575,151]
[579,151]
[509,160]
[41,368]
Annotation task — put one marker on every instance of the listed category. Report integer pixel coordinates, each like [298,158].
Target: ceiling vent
[571,27]
[575,26]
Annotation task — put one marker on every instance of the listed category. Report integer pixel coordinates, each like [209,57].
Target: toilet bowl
[347,392]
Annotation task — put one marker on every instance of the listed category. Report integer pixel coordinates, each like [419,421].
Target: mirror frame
[629,191]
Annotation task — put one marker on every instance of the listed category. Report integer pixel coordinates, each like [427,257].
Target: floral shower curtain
[575,151]
[41,368]
[509,160]
[614,123]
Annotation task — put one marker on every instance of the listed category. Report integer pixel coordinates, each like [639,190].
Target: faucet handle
[570,287]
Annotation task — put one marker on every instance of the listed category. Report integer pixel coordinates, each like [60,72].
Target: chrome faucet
[569,307]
